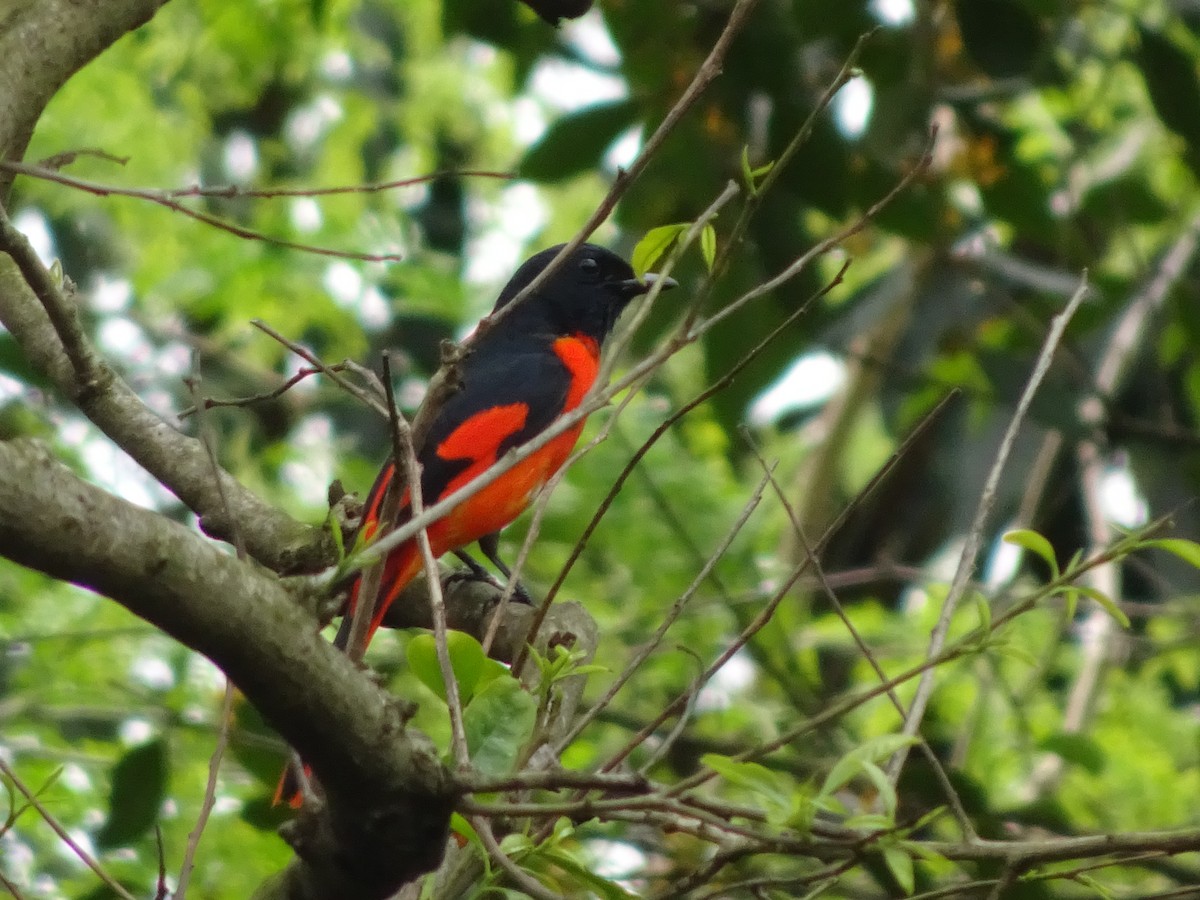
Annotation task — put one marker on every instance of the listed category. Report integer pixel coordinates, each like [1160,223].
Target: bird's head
[585,295]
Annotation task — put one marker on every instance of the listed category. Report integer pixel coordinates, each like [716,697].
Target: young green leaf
[587,879]
[1034,543]
[466,659]
[498,722]
[900,864]
[708,246]
[1188,551]
[655,245]
[1110,605]
[1079,749]
[748,775]
[854,762]
[747,171]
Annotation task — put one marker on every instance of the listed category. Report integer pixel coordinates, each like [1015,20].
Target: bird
[517,375]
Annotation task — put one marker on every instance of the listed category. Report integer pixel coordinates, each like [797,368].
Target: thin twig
[210,792]
[10,887]
[222,739]
[974,538]
[114,885]
[330,372]
[164,199]
[215,403]
[676,610]
[523,879]
[782,591]
[960,814]
[705,75]
[47,170]
[56,301]
[553,780]
[1097,630]
[755,197]
[406,455]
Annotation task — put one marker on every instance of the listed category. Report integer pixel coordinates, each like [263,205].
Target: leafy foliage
[1066,688]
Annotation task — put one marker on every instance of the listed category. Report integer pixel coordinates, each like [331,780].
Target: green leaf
[855,762]
[460,826]
[1078,749]
[887,793]
[607,889]
[985,612]
[1003,38]
[868,822]
[498,722]
[1014,651]
[748,775]
[1071,596]
[747,172]
[1188,551]
[1034,543]
[139,783]
[467,659]
[1170,75]
[655,245]
[900,864]
[577,142]
[708,246]
[1110,605]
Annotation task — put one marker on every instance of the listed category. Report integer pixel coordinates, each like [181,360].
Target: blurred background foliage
[1069,139]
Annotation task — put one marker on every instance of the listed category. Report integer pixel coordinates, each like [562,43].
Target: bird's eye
[589,266]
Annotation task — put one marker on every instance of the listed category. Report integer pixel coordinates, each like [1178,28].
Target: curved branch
[388,797]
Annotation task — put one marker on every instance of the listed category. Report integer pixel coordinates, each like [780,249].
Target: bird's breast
[580,355]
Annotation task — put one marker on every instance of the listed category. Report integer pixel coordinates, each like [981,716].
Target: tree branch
[388,797]
[43,319]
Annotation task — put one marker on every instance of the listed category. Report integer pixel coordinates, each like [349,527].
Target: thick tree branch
[388,797]
[43,319]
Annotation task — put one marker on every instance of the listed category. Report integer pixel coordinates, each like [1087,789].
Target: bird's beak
[636,286]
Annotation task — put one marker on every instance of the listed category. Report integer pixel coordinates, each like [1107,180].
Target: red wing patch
[479,438]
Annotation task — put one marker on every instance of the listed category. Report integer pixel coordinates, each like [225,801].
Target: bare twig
[974,538]
[553,780]
[164,199]
[405,455]
[222,739]
[274,394]
[330,372]
[87,859]
[1098,630]
[705,75]
[57,303]
[210,792]
[773,602]
[47,170]
[523,879]
[669,619]
[10,887]
[960,814]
